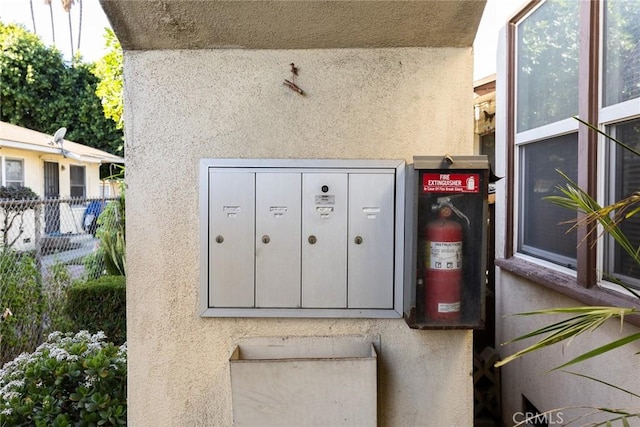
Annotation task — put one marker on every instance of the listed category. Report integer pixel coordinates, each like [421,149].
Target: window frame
[5,181]
[588,88]
[585,284]
[84,183]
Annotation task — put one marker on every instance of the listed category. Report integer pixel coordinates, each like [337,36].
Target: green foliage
[100,305]
[69,380]
[111,86]
[111,232]
[22,301]
[14,211]
[17,193]
[40,91]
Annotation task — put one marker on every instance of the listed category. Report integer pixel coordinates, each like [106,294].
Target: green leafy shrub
[100,305]
[69,380]
[21,299]
[111,232]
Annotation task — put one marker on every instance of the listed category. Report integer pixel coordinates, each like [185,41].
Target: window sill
[567,285]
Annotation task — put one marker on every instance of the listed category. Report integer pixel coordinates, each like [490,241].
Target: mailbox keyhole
[219,239]
[358,240]
[325,188]
[312,239]
[266,239]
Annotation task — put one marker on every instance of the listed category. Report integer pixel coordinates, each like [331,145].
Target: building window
[546,98]
[77,178]
[13,173]
[621,63]
[568,59]
[543,226]
[547,56]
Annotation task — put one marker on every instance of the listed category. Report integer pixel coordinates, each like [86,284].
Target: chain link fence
[45,245]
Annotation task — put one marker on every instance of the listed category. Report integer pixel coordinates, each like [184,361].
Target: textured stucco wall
[185,105]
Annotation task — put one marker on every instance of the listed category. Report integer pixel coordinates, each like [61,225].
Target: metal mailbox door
[278,210]
[231,239]
[324,240]
[371,240]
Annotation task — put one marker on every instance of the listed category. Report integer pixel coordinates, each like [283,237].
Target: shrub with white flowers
[69,380]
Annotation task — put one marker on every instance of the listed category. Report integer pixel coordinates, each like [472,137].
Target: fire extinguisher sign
[451,183]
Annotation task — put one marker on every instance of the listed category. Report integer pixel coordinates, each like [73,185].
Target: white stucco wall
[185,105]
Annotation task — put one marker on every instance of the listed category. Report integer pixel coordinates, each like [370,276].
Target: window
[541,235]
[13,173]
[546,97]
[566,59]
[77,178]
[548,65]
[621,51]
[625,180]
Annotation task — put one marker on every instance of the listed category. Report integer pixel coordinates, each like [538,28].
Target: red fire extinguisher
[443,268]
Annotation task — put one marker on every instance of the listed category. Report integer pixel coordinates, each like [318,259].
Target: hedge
[100,305]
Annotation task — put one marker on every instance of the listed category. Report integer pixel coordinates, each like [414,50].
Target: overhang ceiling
[292,24]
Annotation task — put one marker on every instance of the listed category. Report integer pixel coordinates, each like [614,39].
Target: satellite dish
[59,136]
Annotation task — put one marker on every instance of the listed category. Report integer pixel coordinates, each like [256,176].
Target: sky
[94,21]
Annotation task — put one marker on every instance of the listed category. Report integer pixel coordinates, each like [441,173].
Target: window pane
[542,233]
[627,182]
[547,65]
[77,181]
[14,173]
[77,175]
[621,51]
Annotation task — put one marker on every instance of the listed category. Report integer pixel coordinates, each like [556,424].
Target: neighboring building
[29,158]
[559,60]
[382,80]
[484,110]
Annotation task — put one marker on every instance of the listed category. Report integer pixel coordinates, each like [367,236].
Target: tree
[109,71]
[41,92]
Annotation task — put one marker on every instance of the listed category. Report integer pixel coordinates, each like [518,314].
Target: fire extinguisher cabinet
[445,272]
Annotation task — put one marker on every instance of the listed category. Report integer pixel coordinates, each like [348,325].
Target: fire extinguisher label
[451,307]
[451,183]
[444,255]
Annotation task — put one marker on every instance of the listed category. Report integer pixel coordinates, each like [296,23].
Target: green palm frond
[585,319]
[609,217]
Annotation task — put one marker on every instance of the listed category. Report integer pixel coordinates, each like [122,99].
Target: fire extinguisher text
[444,255]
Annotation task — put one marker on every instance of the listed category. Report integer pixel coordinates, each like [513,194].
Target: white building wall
[33,163]
[360,103]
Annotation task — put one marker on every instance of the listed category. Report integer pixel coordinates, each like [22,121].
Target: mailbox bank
[302,238]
